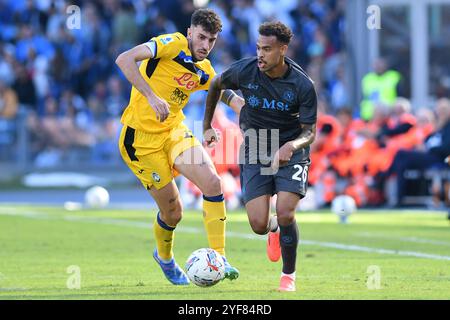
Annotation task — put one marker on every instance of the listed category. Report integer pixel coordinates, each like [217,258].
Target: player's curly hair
[208,19]
[277,29]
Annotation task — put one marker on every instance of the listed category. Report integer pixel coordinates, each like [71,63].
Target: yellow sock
[164,238]
[214,215]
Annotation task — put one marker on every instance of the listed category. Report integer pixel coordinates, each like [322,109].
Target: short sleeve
[167,45]
[308,106]
[230,77]
[152,46]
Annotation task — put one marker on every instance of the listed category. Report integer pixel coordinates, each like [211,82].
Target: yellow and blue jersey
[173,76]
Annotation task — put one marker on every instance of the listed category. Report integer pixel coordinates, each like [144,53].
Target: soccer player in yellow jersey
[156,145]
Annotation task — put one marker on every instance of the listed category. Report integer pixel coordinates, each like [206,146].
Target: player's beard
[202,57]
[269,67]
[195,56]
[262,65]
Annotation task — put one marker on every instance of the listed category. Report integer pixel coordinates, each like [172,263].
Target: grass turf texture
[113,250]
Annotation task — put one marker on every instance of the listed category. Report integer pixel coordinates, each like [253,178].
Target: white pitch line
[139,224]
[405,239]
[375,250]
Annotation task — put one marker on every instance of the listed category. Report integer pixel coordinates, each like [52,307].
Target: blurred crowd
[360,158]
[61,76]
[64,76]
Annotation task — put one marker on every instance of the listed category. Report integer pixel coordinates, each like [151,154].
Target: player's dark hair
[277,29]
[208,19]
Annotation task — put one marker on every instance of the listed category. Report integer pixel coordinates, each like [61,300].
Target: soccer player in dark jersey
[280,110]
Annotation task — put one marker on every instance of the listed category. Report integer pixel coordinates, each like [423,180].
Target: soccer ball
[343,206]
[205,267]
[96,197]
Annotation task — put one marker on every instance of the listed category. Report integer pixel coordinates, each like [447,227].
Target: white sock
[273,224]
[164,260]
[290,275]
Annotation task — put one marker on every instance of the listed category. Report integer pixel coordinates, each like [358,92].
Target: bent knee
[259,226]
[285,216]
[173,214]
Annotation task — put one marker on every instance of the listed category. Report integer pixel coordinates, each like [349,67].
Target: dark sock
[289,243]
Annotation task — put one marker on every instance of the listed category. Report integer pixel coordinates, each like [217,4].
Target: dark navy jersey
[282,103]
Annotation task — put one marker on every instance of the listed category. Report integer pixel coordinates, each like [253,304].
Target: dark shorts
[292,177]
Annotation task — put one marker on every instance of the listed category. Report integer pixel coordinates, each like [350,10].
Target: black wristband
[227,96]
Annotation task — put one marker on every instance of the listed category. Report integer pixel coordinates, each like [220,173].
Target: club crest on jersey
[200,73]
[156,177]
[288,96]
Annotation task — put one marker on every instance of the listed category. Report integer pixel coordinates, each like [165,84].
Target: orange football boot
[287,284]
[273,246]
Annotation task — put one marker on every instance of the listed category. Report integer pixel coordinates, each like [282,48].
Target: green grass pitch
[378,255]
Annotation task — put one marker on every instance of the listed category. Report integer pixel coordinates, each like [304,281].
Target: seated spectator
[116,102]
[59,128]
[432,153]
[42,59]
[391,136]
[350,141]
[400,119]
[8,112]
[7,62]
[25,89]
[8,102]
[326,143]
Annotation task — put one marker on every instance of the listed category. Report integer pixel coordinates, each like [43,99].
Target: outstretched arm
[127,62]
[213,97]
[214,92]
[218,91]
